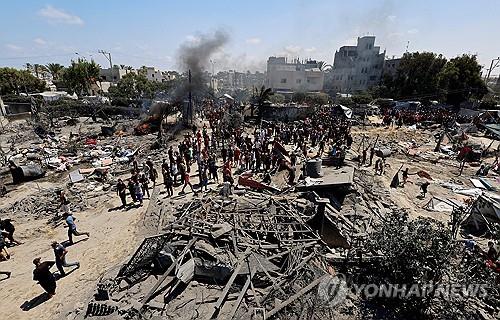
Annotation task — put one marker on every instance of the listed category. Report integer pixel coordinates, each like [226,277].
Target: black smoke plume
[195,56]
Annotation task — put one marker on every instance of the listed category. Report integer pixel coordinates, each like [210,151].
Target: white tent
[442,205]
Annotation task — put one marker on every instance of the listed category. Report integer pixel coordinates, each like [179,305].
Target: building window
[298,81]
[373,78]
[283,80]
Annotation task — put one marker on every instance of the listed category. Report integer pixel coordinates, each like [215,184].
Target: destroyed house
[484,213]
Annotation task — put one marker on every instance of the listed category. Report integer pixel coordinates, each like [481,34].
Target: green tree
[414,251]
[277,98]
[13,81]
[80,75]
[323,66]
[386,88]
[55,70]
[362,98]
[241,95]
[346,102]
[260,98]
[461,79]
[299,97]
[490,102]
[317,99]
[37,69]
[136,86]
[418,75]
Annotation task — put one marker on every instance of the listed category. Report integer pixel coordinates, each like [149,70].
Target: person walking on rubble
[204,178]
[64,202]
[153,173]
[372,153]
[60,256]
[363,158]
[72,231]
[121,189]
[144,181]
[4,254]
[405,176]
[187,183]
[138,191]
[377,166]
[423,188]
[169,183]
[131,189]
[44,277]
[8,230]
[212,168]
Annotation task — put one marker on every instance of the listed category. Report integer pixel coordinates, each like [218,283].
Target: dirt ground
[113,237]
[440,168]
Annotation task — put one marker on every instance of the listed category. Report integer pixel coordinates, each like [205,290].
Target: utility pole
[190,105]
[497,62]
[213,75]
[107,55]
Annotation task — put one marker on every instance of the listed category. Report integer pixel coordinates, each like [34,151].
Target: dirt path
[113,239]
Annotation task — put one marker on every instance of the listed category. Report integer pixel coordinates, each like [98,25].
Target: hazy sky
[150,32]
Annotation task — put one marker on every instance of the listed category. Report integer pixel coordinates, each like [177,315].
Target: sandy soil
[113,238]
[445,170]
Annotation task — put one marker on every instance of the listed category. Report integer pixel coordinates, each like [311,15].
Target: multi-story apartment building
[357,68]
[284,76]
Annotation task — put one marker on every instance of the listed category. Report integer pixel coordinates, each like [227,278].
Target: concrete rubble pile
[248,256]
[44,204]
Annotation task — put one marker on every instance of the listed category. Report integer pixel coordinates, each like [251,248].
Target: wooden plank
[275,285]
[165,275]
[229,283]
[290,300]
[242,294]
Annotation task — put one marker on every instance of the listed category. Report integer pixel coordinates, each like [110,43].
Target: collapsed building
[257,255]
[219,252]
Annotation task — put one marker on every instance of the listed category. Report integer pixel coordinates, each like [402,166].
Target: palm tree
[55,70]
[128,69]
[142,71]
[39,70]
[323,66]
[260,98]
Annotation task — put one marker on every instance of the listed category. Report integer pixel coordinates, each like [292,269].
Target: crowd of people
[219,149]
[394,117]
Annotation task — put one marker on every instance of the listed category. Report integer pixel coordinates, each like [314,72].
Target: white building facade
[114,74]
[357,68]
[284,76]
[154,74]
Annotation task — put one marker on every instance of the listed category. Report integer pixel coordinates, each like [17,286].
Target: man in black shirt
[60,255]
[8,229]
[121,189]
[44,277]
